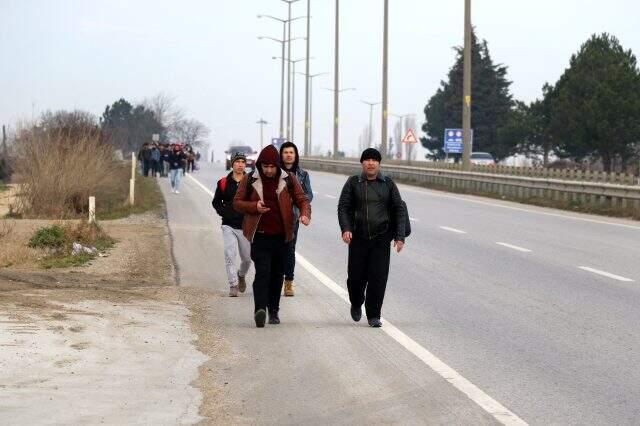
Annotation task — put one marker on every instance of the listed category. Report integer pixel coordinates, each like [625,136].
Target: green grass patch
[3,187]
[65,261]
[49,237]
[148,198]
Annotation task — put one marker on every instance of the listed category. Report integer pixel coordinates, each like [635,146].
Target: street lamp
[282,42]
[385,78]
[371,105]
[336,118]
[307,79]
[292,120]
[336,82]
[310,118]
[262,123]
[466,101]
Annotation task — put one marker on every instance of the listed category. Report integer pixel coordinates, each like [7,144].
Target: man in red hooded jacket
[266,198]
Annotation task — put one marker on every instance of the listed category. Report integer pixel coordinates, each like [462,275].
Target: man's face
[269,170]
[239,166]
[289,156]
[371,168]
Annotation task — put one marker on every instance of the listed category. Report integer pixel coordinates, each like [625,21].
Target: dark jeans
[153,167]
[146,164]
[267,253]
[368,271]
[290,254]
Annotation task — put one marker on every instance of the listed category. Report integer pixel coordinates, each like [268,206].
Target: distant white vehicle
[482,159]
[249,152]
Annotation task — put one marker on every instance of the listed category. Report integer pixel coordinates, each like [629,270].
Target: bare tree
[191,132]
[166,111]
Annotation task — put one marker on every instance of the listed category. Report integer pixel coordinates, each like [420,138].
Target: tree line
[591,115]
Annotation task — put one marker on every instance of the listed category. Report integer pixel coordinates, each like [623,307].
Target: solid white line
[606,274]
[457,231]
[331,196]
[524,250]
[475,394]
[200,185]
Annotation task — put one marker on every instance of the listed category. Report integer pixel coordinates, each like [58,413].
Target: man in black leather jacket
[371,215]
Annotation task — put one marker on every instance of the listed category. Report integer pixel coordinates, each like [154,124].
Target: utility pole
[466,101]
[307,97]
[385,79]
[371,105]
[262,123]
[336,83]
[310,141]
[289,68]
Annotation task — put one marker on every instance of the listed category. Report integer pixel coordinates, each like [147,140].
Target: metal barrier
[615,198]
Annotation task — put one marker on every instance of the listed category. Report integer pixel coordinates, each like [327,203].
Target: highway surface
[495,313]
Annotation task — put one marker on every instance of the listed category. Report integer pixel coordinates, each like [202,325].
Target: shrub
[49,237]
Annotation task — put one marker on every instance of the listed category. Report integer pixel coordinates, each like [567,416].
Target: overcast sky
[85,54]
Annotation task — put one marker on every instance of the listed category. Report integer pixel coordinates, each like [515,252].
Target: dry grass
[58,171]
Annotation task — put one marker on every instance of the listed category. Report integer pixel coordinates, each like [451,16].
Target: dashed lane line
[511,246]
[454,230]
[606,274]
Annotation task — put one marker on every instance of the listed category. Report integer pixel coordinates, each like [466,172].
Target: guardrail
[598,196]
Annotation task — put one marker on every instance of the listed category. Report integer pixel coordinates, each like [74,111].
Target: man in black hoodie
[289,159]
[234,241]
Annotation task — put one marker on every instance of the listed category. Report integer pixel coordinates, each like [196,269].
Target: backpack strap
[223,184]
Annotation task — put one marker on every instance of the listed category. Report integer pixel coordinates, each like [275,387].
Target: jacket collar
[363,177]
[259,187]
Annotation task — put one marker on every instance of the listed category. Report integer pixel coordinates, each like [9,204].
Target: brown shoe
[242,284]
[288,288]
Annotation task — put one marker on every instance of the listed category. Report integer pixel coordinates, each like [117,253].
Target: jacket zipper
[366,201]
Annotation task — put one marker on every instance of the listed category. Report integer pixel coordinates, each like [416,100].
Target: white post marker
[92,209]
[132,181]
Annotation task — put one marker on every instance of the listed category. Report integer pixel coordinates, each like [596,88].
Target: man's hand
[262,208]
[346,237]
[305,220]
[399,245]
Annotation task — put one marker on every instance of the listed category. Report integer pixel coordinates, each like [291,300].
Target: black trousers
[290,255]
[368,271]
[267,253]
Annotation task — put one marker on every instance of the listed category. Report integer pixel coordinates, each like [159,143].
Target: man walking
[290,159]
[266,197]
[176,164]
[234,241]
[371,214]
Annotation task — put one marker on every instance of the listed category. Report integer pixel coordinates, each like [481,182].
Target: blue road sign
[454,141]
[277,142]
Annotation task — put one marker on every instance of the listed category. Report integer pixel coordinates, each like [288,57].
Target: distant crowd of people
[168,160]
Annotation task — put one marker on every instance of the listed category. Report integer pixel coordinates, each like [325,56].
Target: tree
[128,127]
[595,108]
[191,132]
[492,103]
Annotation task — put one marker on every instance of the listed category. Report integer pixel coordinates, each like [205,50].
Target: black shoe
[260,316]
[356,313]
[375,322]
[273,317]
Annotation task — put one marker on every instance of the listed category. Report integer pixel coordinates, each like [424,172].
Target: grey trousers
[235,244]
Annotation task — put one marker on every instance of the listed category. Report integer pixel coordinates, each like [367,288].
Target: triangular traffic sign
[410,137]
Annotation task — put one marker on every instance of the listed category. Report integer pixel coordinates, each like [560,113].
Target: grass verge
[148,198]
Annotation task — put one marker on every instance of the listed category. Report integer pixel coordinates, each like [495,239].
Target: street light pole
[385,78]
[371,105]
[293,95]
[262,123]
[307,80]
[289,2]
[337,117]
[466,102]
[310,142]
[336,82]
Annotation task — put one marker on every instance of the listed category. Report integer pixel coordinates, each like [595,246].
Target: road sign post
[454,141]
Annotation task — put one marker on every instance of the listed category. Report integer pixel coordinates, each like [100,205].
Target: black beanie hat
[371,154]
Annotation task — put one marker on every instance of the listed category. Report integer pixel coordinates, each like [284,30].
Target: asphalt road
[534,309]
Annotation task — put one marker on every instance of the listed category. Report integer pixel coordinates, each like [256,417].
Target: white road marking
[457,231]
[523,250]
[333,197]
[606,274]
[475,394]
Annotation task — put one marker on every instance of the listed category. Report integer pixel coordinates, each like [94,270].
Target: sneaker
[260,316]
[288,288]
[233,291]
[356,313]
[375,322]
[242,284]
[273,317]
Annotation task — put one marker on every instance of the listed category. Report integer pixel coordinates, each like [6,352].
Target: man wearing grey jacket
[289,159]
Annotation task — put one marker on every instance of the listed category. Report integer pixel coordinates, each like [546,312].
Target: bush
[49,237]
